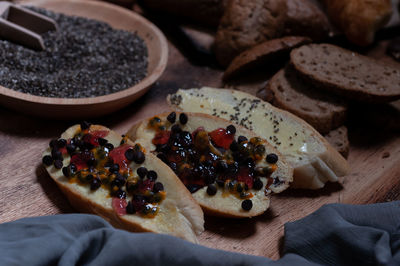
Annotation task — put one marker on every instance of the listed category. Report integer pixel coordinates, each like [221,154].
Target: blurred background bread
[246,24]
[359,19]
[205,12]
[305,18]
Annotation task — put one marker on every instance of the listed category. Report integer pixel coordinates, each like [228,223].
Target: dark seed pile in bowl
[84,58]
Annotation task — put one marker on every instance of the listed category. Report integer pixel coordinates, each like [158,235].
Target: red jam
[78,161]
[221,138]
[161,137]
[146,185]
[118,156]
[63,150]
[93,137]
[119,206]
[99,134]
[245,177]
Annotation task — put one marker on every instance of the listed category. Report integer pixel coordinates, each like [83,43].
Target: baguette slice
[322,111]
[314,160]
[223,203]
[346,73]
[178,214]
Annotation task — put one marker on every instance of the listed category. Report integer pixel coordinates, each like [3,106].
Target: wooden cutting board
[26,189]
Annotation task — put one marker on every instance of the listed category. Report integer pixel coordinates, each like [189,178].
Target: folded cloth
[339,234]
[336,234]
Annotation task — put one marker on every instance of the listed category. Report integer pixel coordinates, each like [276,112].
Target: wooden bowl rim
[143,84]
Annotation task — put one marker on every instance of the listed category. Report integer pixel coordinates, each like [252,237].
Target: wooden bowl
[73,108]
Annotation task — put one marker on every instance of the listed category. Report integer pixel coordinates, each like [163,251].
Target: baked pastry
[314,160]
[264,54]
[322,111]
[346,73]
[359,19]
[246,24]
[229,169]
[102,173]
[339,139]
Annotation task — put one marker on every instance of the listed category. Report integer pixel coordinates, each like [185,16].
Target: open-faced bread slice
[314,160]
[229,169]
[102,173]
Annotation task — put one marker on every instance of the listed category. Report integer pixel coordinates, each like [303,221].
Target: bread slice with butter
[314,160]
[167,208]
[229,169]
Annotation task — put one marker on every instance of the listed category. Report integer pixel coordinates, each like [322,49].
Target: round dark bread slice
[263,54]
[347,73]
[323,111]
[179,215]
[339,139]
[223,203]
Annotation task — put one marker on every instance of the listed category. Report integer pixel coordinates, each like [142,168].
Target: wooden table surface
[26,189]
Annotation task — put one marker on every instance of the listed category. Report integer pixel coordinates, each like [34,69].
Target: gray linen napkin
[336,234]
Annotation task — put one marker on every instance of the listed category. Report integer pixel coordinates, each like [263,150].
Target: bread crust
[319,163]
[221,205]
[179,214]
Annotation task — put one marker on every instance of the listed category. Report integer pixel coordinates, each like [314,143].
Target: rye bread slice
[266,53]
[323,111]
[347,73]
[339,139]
